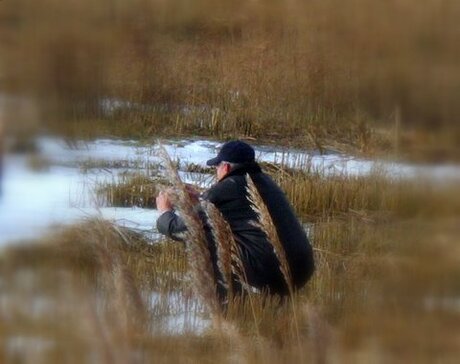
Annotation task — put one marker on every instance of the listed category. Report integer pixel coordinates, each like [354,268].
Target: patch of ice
[32,201]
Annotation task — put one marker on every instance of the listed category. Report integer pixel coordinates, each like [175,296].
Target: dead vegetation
[387,277]
[129,190]
[297,72]
[334,75]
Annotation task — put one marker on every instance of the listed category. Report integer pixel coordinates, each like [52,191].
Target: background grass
[360,75]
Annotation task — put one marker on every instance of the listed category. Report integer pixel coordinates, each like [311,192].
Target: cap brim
[213,161]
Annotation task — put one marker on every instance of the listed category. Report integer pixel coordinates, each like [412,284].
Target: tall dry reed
[225,243]
[265,223]
[198,253]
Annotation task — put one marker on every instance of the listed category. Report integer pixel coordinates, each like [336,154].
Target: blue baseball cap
[235,151]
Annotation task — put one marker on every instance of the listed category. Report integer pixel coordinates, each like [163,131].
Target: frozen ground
[59,190]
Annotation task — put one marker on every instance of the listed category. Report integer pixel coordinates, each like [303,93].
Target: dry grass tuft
[197,246]
[225,243]
[128,191]
[387,278]
[265,223]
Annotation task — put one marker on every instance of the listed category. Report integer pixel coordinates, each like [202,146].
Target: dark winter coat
[229,195]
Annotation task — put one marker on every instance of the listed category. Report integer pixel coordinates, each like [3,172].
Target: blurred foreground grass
[386,289]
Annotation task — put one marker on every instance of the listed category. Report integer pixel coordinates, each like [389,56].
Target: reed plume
[198,254]
[229,260]
[228,253]
[224,240]
[265,223]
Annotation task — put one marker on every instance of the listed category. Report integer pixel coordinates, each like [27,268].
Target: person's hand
[163,202]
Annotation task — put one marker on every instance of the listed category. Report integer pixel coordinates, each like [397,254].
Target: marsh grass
[130,190]
[371,282]
[298,72]
[375,196]
[228,259]
[387,273]
[199,256]
[91,164]
[197,168]
[265,223]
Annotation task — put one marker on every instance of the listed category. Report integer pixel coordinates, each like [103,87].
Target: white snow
[184,314]
[33,201]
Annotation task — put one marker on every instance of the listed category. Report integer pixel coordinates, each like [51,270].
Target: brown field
[362,75]
[386,281]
